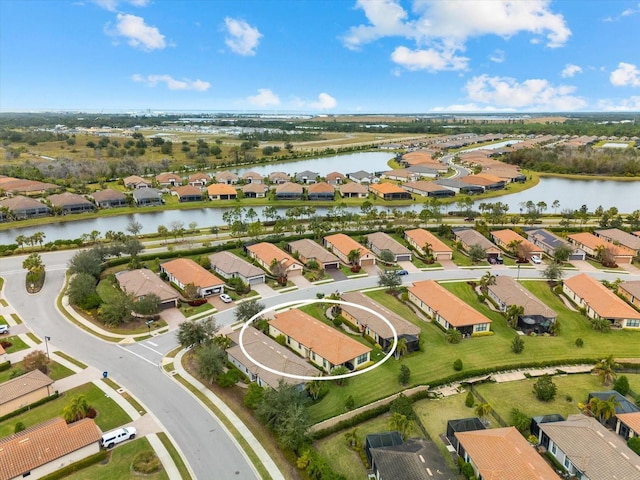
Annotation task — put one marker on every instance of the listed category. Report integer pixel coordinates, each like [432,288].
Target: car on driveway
[4,329]
[225,298]
[402,272]
[536,259]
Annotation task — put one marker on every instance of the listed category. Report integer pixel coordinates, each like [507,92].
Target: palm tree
[352,438]
[513,246]
[428,252]
[487,279]
[512,313]
[401,347]
[605,369]
[33,263]
[482,410]
[279,271]
[354,256]
[605,408]
[401,424]
[76,410]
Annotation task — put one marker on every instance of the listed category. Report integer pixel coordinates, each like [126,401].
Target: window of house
[567,463]
[633,323]
[554,449]
[362,358]
[482,327]
[288,340]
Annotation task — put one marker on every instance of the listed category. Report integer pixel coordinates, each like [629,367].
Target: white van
[114,437]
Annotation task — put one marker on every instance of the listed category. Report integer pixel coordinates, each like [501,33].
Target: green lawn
[17,344]
[3,321]
[119,464]
[110,415]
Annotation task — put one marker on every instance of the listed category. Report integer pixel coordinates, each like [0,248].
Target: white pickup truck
[112,438]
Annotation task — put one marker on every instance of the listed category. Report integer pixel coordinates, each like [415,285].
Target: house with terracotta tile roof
[265,253]
[277,178]
[446,309]
[228,265]
[221,191]
[592,245]
[428,189]
[307,250]
[418,238]
[631,291]
[341,244]
[389,191]
[353,190]
[47,447]
[135,181]
[20,186]
[486,181]
[252,177]
[109,198]
[184,271]
[142,282]
[587,449]
[168,179]
[373,326]
[289,191]
[255,190]
[321,191]
[71,203]
[317,342]
[600,302]
[335,178]
[468,237]
[22,207]
[187,193]
[503,454]
[620,237]
[268,352]
[199,180]
[24,390]
[628,425]
[536,317]
[525,249]
[380,241]
[226,177]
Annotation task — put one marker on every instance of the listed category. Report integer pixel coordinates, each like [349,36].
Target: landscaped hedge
[5,366]
[42,401]
[79,465]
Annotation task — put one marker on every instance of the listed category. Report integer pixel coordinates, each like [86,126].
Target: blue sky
[320,56]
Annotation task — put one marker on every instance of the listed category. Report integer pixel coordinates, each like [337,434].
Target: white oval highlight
[298,303]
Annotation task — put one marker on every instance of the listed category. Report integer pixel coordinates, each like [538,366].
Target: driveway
[408,266]
[336,274]
[264,290]
[300,281]
[173,317]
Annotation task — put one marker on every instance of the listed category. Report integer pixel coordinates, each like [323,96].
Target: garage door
[403,258]
[367,261]
[256,280]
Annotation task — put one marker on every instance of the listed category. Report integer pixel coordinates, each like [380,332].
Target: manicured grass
[17,344]
[70,359]
[34,338]
[3,302]
[16,318]
[189,311]
[3,321]
[58,371]
[110,415]
[119,464]
[175,456]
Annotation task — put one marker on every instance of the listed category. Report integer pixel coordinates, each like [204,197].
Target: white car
[225,298]
[111,439]
[4,329]
[536,259]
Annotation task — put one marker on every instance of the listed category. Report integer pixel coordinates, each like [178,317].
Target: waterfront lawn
[110,415]
[119,463]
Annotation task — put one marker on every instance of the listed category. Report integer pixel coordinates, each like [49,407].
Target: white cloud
[533,94]
[324,102]
[442,28]
[497,56]
[470,107]
[626,75]
[570,70]
[631,104]
[112,5]
[139,34]
[242,38]
[171,83]
[430,59]
[264,98]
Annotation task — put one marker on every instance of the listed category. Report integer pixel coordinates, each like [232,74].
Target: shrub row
[17,412]
[79,465]
[4,366]
[350,422]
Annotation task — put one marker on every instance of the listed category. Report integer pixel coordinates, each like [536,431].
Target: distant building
[109,198]
[71,203]
[184,271]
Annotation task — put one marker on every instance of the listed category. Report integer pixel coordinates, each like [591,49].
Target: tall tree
[605,369]
[401,424]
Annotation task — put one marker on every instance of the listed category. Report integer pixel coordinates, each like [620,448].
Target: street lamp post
[46,343]
[518,278]
[149,322]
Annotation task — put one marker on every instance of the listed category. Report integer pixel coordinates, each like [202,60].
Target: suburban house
[389,191]
[592,245]
[307,250]
[289,191]
[184,271]
[600,302]
[503,454]
[20,186]
[24,390]
[134,181]
[620,237]
[587,449]
[418,238]
[277,178]
[536,317]
[255,190]
[187,193]
[468,237]
[414,459]
[252,177]
[335,178]
[373,326]
[228,265]
[317,342]
[321,191]
[142,282]
[198,180]
[628,425]
[622,405]
[49,446]
[342,244]
[429,169]
[25,207]
[221,191]
[363,177]
[266,253]
[400,175]
[380,241]
[71,203]
[306,177]
[630,291]
[486,181]
[525,249]
[458,186]
[447,309]
[354,190]
[549,241]
[226,177]
[428,189]
[145,197]
[168,180]
[470,424]
[267,351]
[109,198]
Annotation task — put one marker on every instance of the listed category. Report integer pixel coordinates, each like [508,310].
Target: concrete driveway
[264,290]
[173,317]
